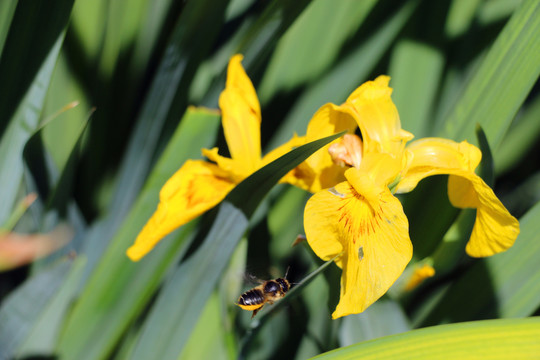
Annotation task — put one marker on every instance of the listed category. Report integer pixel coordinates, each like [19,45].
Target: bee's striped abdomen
[268,292]
[251,299]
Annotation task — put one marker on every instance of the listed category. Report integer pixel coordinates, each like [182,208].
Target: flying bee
[268,292]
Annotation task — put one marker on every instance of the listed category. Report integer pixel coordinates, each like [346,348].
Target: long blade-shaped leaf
[44,335]
[118,289]
[179,305]
[345,76]
[494,339]
[314,46]
[34,32]
[26,67]
[503,81]
[22,309]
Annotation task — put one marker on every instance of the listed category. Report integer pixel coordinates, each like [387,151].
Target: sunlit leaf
[501,84]
[517,339]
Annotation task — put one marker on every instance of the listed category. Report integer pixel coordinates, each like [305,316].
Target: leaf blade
[515,338]
[503,80]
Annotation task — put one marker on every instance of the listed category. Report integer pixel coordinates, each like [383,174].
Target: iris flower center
[347,152]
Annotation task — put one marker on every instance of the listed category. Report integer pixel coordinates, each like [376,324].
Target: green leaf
[22,309]
[65,100]
[460,17]
[87,23]
[164,104]
[524,196]
[183,297]
[383,318]
[7,9]
[520,139]
[26,67]
[490,12]
[207,339]
[165,101]
[118,289]
[285,220]
[254,40]
[345,76]
[44,335]
[54,185]
[179,305]
[36,29]
[307,48]
[155,14]
[503,81]
[494,339]
[416,69]
[486,169]
[429,197]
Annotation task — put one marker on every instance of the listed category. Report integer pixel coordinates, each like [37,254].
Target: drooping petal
[319,171]
[378,117]
[241,118]
[195,188]
[374,241]
[495,229]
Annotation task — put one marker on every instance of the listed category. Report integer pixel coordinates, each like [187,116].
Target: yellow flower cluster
[353,211]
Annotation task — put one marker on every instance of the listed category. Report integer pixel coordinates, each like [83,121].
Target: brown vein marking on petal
[359,226]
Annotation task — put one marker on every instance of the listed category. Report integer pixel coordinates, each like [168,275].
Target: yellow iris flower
[200,185]
[360,218]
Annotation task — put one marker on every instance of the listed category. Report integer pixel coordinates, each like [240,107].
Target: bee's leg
[256,311]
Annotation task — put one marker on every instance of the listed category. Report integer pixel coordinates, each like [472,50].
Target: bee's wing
[252,279]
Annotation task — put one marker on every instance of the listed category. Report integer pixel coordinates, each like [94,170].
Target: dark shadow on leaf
[471,296]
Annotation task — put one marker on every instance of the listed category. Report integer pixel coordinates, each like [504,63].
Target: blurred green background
[461,69]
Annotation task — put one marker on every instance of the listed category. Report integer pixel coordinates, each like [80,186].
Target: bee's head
[284,284]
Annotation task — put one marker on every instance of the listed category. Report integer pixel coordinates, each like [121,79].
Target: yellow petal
[378,117]
[495,230]
[374,241]
[224,163]
[319,171]
[430,155]
[381,168]
[195,188]
[241,118]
